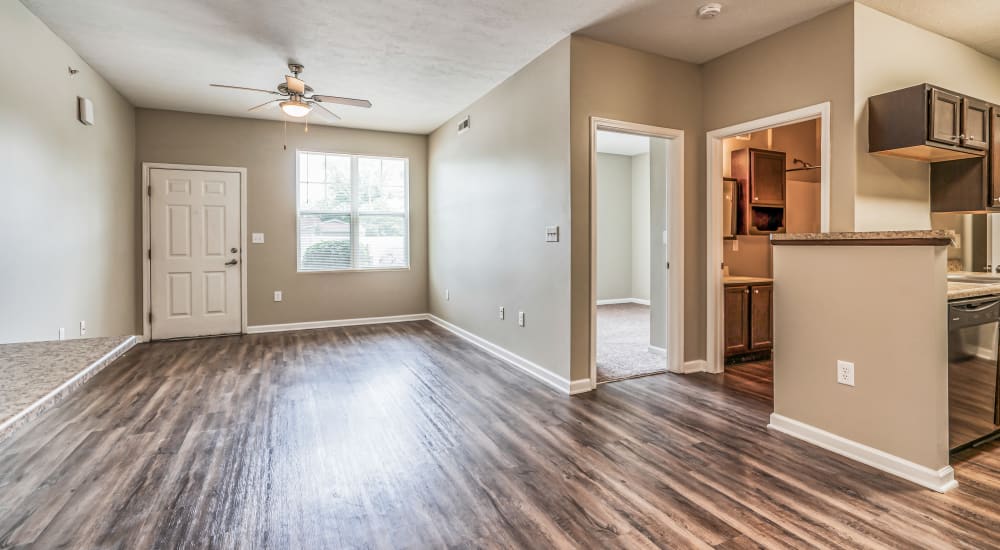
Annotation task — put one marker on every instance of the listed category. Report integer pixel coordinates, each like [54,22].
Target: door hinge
[149,253]
[149,190]
[668,265]
[150,316]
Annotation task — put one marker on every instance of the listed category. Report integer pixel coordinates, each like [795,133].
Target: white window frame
[354,214]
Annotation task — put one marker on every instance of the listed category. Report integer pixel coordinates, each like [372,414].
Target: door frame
[714,329]
[147,328]
[675,236]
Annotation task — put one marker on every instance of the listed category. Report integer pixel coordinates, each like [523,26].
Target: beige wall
[623,84]
[641,227]
[185,138]
[882,308]
[68,219]
[810,63]
[890,54]
[614,226]
[493,190]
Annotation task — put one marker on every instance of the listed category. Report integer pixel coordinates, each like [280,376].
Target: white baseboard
[657,350]
[284,327]
[696,365]
[938,480]
[612,301]
[12,423]
[537,371]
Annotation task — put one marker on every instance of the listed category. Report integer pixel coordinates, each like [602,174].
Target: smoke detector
[709,11]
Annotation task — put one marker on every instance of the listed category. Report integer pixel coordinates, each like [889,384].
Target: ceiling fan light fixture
[295,108]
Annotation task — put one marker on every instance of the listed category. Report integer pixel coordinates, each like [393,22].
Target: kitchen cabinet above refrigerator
[928,123]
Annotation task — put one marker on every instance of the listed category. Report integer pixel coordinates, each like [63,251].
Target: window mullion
[355,222]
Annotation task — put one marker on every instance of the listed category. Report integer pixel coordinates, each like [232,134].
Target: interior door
[195,276]
[945,117]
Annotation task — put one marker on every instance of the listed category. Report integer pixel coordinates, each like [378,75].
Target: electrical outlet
[845,373]
[447,294]
[277,296]
[83,328]
[501,313]
[520,318]
[62,333]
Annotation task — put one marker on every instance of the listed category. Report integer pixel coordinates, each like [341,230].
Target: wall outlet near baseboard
[501,313]
[520,318]
[83,328]
[278,296]
[62,333]
[845,373]
[447,294]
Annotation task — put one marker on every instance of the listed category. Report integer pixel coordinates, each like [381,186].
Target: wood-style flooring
[405,436]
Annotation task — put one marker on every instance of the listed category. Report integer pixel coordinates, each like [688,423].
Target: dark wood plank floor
[405,436]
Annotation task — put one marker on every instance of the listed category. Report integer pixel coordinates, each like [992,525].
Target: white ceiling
[975,23]
[617,143]
[418,61]
[670,28]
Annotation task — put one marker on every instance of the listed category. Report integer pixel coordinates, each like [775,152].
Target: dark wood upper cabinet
[927,123]
[994,164]
[975,124]
[945,117]
[737,302]
[760,318]
[760,175]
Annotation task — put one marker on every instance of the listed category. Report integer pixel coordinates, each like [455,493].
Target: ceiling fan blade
[267,103]
[331,113]
[342,100]
[295,85]
[244,88]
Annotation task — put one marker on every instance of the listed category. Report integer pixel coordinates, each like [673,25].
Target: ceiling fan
[296,98]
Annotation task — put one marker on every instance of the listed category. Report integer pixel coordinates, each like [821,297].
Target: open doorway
[765,177]
[636,180]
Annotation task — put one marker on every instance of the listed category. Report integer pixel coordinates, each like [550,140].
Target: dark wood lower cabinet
[748,322]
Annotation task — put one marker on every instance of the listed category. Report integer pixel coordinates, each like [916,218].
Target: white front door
[195,281]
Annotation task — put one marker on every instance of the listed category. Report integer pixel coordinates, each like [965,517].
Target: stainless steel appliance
[973,373]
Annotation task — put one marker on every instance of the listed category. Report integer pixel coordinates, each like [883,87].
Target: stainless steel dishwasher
[973,373]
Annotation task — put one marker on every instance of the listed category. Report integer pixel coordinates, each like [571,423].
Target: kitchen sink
[981,280]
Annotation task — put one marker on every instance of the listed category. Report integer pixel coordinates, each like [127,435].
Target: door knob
[231,262]
[234,250]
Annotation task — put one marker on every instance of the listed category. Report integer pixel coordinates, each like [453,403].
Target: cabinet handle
[755,291]
[746,291]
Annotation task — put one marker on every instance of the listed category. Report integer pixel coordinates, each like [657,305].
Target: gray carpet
[623,343]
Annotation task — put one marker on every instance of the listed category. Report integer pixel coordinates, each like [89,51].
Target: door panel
[945,117]
[760,317]
[735,314]
[767,180]
[195,277]
[975,124]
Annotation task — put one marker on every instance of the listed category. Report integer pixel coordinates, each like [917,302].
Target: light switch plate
[552,234]
[277,296]
[501,313]
[520,318]
[257,238]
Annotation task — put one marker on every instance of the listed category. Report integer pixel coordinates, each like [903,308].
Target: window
[353,212]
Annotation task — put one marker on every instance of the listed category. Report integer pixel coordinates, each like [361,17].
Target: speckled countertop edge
[932,236]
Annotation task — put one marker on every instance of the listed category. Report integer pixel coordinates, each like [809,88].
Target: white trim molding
[937,480]
[613,301]
[49,399]
[537,371]
[309,325]
[714,243]
[696,365]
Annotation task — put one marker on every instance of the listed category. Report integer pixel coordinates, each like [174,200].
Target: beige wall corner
[883,309]
[186,138]
[623,84]
[808,64]
[493,191]
[68,219]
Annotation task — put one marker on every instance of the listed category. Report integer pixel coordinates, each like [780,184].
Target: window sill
[353,270]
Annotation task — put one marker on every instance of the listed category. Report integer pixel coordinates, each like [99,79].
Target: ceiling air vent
[464,125]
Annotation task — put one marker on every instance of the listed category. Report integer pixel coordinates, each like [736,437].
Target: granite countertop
[930,237]
[958,290]
[740,280]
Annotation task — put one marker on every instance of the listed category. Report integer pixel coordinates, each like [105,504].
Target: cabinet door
[737,300]
[994,162]
[975,124]
[945,117]
[767,177]
[760,318]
